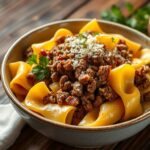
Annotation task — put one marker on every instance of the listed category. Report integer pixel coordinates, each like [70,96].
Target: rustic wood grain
[34,14]
[95,7]
[19,16]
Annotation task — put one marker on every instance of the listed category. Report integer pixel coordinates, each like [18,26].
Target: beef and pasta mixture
[76,71]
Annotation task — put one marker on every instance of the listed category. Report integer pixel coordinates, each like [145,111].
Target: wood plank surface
[95,7]
[19,16]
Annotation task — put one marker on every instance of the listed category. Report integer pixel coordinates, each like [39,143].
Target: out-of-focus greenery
[138,19]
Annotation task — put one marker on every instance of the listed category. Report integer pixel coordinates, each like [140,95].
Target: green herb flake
[113,39]
[113,14]
[43,61]
[83,40]
[32,60]
[96,33]
[40,73]
[137,20]
[129,7]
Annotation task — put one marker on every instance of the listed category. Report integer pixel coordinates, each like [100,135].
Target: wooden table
[19,16]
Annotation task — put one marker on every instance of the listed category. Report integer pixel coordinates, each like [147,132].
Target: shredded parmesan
[86,45]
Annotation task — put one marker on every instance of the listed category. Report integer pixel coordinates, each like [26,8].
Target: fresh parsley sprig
[129,7]
[32,59]
[43,61]
[40,70]
[82,39]
[113,14]
[137,20]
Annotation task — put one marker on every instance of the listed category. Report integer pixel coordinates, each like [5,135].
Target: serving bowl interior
[43,33]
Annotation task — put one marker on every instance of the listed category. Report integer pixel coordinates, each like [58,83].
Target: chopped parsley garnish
[96,33]
[113,14]
[113,39]
[83,40]
[138,19]
[41,71]
[43,61]
[129,7]
[32,60]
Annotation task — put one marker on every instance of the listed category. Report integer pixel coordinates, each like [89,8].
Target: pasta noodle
[122,81]
[55,112]
[48,45]
[19,84]
[110,113]
[143,58]
[91,26]
[110,41]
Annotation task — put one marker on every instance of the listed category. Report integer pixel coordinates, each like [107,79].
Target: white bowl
[64,133]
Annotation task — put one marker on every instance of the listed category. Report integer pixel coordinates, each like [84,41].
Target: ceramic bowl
[68,134]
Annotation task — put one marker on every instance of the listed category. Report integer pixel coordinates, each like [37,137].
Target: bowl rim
[34,115]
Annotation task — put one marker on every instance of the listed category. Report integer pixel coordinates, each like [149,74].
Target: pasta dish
[90,78]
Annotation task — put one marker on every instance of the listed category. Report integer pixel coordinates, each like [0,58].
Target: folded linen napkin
[10,125]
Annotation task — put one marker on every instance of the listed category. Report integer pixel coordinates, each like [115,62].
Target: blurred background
[19,16]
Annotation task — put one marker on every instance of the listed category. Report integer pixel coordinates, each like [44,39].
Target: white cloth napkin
[10,125]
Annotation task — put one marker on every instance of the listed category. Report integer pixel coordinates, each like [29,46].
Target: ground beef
[103,74]
[97,60]
[68,66]
[72,100]
[59,67]
[82,69]
[98,101]
[65,84]
[77,89]
[61,97]
[84,78]
[83,64]
[31,78]
[87,104]
[107,93]
[145,85]
[50,98]
[60,40]
[87,101]
[91,72]
[146,96]
[91,87]
[55,77]
[141,81]
[123,50]
[78,72]
[78,115]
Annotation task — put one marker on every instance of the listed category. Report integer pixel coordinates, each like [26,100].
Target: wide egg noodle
[92,26]
[19,83]
[122,81]
[108,113]
[48,45]
[144,59]
[110,41]
[34,101]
